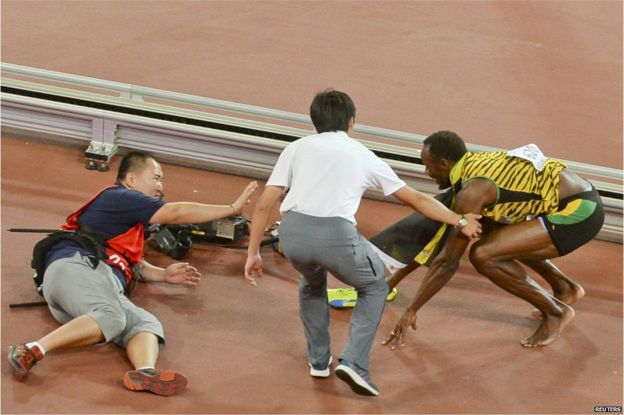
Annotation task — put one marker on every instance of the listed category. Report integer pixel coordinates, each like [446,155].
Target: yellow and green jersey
[522,189]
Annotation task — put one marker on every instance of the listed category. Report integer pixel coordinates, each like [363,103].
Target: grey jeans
[73,288]
[316,246]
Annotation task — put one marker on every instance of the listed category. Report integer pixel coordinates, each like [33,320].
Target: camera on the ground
[176,240]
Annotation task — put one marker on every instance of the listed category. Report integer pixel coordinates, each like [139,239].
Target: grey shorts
[73,288]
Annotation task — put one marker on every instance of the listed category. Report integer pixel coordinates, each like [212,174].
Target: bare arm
[179,273]
[438,275]
[190,212]
[264,207]
[473,198]
[435,210]
[440,271]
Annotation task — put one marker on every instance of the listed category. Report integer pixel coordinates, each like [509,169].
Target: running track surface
[496,72]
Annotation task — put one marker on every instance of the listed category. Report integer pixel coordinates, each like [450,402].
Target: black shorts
[578,221]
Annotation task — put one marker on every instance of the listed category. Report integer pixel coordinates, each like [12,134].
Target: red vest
[123,250]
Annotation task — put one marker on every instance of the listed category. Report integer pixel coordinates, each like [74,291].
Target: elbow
[450,267]
[263,209]
[446,267]
[168,214]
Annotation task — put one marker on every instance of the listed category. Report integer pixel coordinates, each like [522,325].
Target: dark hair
[446,145]
[331,110]
[133,161]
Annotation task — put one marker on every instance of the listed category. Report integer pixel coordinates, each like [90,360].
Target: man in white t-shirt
[325,176]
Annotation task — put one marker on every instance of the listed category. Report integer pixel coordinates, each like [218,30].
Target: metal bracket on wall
[103,145]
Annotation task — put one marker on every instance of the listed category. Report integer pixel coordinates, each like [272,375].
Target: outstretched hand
[396,338]
[182,273]
[473,229]
[243,199]
[253,268]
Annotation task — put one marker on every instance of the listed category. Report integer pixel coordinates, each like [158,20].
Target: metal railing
[209,133]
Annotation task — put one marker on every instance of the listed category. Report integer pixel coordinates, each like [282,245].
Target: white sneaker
[320,373]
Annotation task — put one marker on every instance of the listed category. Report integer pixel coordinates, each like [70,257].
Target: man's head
[332,111]
[140,171]
[440,152]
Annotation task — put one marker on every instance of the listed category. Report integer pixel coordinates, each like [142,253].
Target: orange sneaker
[164,383]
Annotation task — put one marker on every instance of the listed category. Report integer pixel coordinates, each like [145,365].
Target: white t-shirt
[327,174]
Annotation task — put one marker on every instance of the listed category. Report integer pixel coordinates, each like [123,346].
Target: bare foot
[549,328]
[569,296]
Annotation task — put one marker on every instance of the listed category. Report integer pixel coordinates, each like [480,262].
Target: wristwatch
[462,222]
